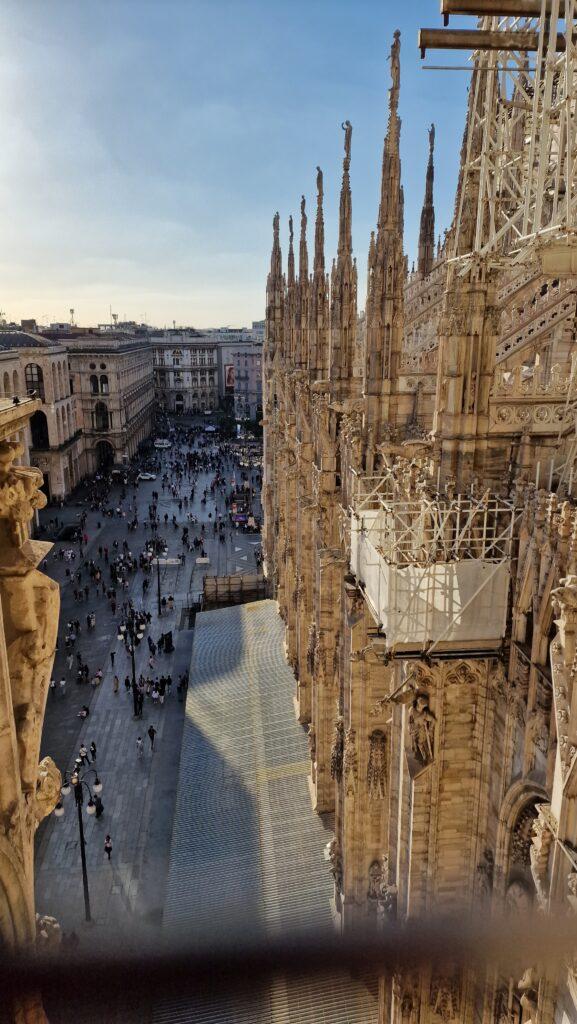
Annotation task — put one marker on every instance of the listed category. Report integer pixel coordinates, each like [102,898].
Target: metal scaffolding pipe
[481,39]
[516,8]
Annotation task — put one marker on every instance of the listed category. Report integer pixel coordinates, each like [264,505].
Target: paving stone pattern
[246,845]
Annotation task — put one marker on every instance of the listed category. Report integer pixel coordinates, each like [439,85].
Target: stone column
[29,605]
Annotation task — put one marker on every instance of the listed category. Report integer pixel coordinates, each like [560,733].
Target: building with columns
[420,537]
[114,387]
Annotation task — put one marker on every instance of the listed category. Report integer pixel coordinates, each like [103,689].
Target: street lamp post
[132,630]
[78,782]
[159,545]
[158,584]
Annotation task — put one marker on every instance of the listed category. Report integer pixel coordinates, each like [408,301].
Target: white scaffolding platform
[435,572]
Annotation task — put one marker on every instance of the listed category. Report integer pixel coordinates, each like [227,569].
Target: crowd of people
[118,575]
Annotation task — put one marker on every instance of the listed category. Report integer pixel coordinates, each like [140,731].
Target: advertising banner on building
[229,376]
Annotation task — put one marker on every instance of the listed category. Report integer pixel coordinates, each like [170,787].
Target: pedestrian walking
[63,687]
[108,846]
[83,754]
[112,655]
[127,683]
[116,684]
[139,747]
[99,807]
[70,661]
[151,735]
[93,750]
[53,686]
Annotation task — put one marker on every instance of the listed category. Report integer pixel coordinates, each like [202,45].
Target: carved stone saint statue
[422,729]
[337,749]
[336,861]
[348,130]
[350,762]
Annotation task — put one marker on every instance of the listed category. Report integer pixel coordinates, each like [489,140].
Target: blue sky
[147,143]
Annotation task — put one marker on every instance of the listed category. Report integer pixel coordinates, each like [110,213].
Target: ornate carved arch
[522,794]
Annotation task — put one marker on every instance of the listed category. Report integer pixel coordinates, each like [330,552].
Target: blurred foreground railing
[237,962]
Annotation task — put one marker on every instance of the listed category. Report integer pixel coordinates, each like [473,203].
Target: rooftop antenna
[174,325]
[71,317]
[114,318]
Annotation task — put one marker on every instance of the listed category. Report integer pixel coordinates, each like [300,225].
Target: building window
[103,384]
[34,379]
[71,385]
[103,366]
[176,357]
[101,416]
[93,384]
[92,366]
[39,430]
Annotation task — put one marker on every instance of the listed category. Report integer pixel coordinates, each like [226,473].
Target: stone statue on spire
[320,192]
[303,214]
[348,130]
[395,60]
[431,139]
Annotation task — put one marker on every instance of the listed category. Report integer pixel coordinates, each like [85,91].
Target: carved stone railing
[518,384]
[540,403]
[523,325]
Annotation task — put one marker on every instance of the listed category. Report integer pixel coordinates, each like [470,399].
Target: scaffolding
[520,152]
[434,569]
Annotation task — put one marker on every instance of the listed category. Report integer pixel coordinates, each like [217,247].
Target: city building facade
[420,537]
[195,371]
[248,382]
[113,383]
[185,371]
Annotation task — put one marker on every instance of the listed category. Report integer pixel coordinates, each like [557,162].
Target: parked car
[147,476]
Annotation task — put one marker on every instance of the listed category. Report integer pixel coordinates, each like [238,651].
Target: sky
[146,144]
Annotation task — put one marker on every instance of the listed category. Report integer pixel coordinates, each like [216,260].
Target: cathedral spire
[274,298]
[303,251]
[344,290]
[318,332]
[389,208]
[427,229]
[319,261]
[291,256]
[386,275]
[275,258]
[345,210]
[302,297]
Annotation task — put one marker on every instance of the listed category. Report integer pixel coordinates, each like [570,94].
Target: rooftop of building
[12,338]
